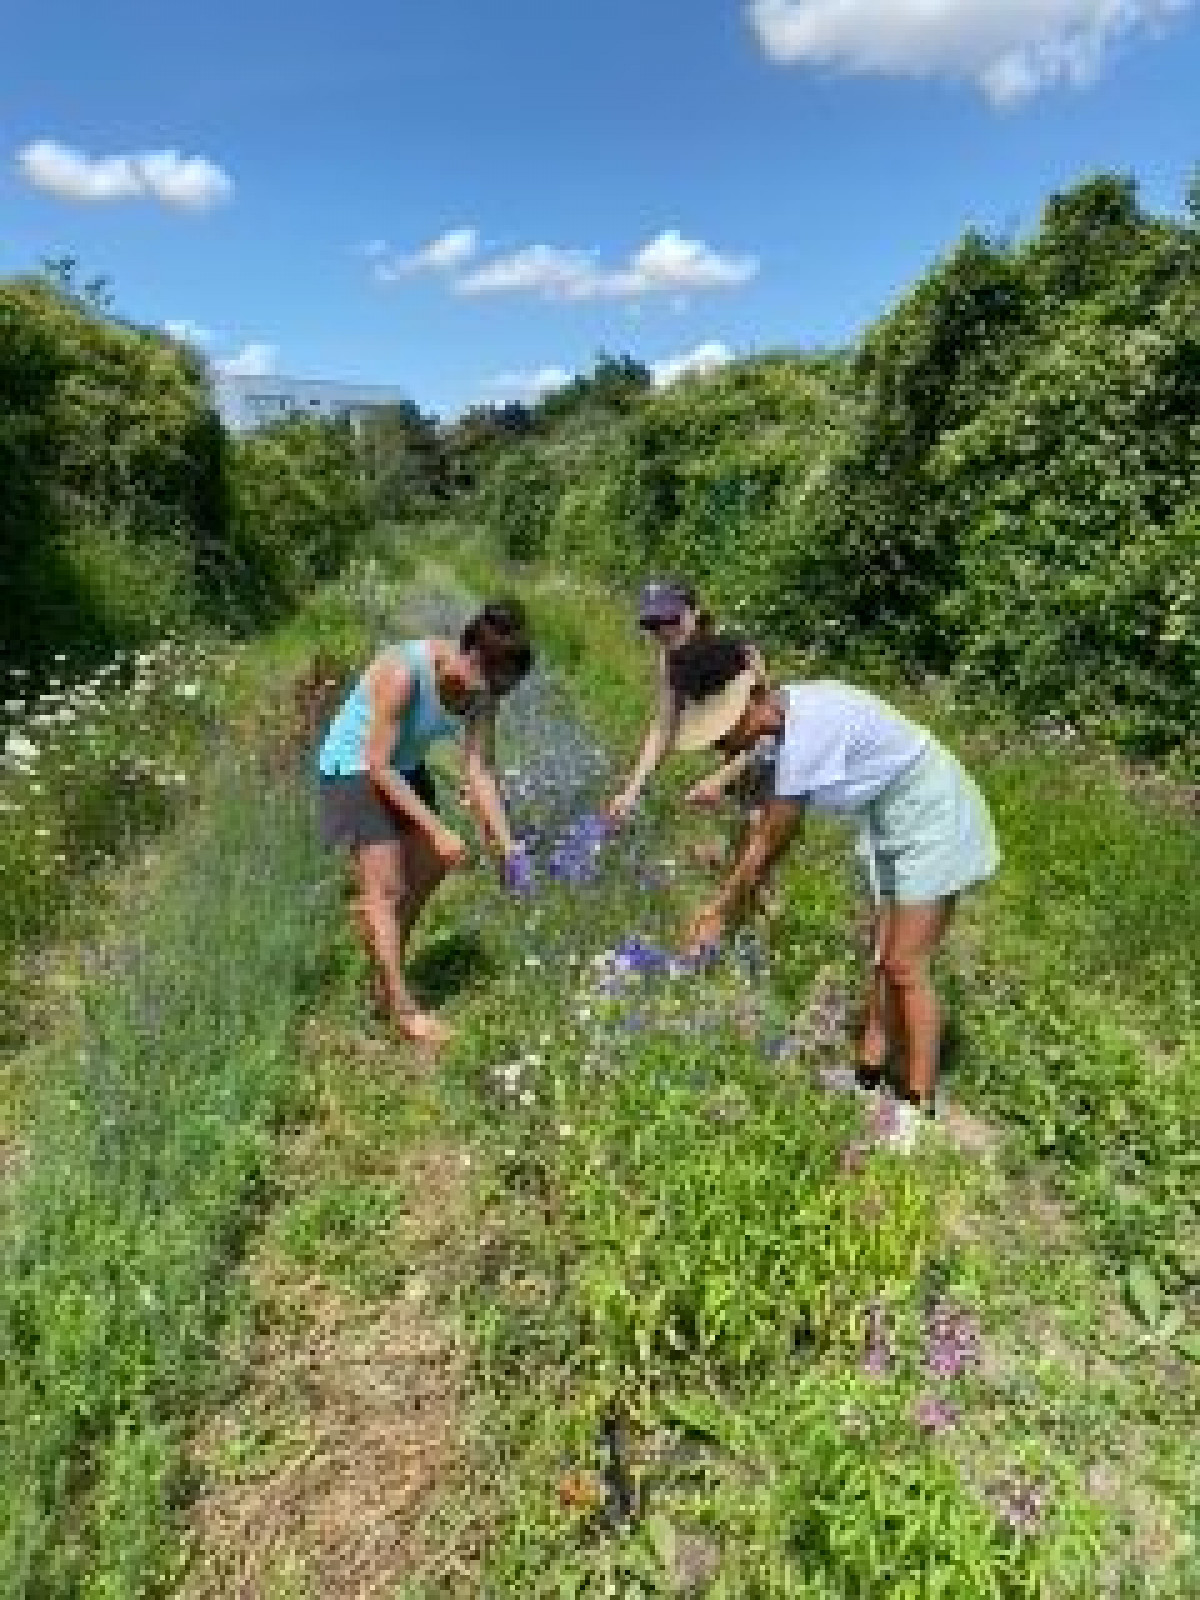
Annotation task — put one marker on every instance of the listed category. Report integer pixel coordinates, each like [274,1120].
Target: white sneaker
[907,1121]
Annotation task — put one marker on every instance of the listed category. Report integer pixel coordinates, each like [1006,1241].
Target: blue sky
[473,197]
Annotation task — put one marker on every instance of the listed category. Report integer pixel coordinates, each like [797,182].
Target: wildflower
[14,707]
[1020,1503]
[20,749]
[187,691]
[952,1341]
[565,1130]
[933,1413]
[527,1097]
[518,872]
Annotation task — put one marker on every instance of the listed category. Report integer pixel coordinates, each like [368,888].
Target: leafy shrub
[299,508]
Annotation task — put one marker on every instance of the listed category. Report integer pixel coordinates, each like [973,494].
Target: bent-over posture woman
[925,832]
[377,797]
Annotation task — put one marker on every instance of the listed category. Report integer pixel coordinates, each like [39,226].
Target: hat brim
[702,722]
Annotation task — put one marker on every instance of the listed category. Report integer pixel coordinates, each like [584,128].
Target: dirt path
[343,1429]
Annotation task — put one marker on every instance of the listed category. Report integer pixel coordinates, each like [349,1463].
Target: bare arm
[708,791]
[658,740]
[481,782]
[391,695]
[764,844]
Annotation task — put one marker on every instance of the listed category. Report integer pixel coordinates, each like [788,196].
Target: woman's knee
[905,970]
[379,878]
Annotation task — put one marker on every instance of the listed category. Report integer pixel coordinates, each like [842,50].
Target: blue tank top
[344,748]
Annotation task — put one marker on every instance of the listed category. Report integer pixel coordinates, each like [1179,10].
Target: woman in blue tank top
[377,796]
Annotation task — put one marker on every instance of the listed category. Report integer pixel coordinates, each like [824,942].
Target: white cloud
[187,332]
[184,183]
[1008,48]
[671,263]
[703,359]
[527,386]
[253,360]
[667,264]
[446,253]
[538,269]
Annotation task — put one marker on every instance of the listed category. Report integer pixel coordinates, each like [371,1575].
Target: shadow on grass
[447,964]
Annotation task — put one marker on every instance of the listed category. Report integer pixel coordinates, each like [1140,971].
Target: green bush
[1001,482]
[299,509]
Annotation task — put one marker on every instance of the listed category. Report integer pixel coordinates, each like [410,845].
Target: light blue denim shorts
[929,834]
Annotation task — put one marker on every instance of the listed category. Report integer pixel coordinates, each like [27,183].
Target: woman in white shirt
[925,830]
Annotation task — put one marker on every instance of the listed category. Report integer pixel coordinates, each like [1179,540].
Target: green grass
[672,1242]
[631,1276]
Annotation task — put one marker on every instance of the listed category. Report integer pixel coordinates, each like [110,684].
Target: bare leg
[380,878]
[914,933]
[878,1028]
[422,872]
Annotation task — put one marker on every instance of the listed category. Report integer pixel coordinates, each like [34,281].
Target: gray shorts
[352,812]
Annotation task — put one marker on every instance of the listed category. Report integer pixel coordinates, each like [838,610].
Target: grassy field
[617,1301]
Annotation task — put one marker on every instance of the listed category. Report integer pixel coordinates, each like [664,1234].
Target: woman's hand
[622,806]
[450,849]
[707,794]
[705,931]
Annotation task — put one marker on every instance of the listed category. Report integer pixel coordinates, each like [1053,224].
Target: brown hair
[499,635]
[706,663]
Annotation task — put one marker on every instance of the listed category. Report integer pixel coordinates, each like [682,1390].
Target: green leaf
[698,1416]
[1188,1344]
[1145,1296]
[661,1535]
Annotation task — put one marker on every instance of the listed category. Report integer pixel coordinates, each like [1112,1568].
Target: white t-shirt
[840,746]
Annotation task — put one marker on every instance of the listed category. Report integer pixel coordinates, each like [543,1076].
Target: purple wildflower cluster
[952,1341]
[1020,1503]
[574,857]
[518,872]
[934,1413]
[952,1347]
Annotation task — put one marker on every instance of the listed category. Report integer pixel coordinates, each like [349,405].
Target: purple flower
[883,1120]
[636,954]
[933,1413]
[952,1341]
[1020,1503]
[574,857]
[518,872]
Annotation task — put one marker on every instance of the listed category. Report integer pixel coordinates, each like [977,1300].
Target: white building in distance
[247,402]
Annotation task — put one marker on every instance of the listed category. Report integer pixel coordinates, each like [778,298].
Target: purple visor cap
[662,602]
